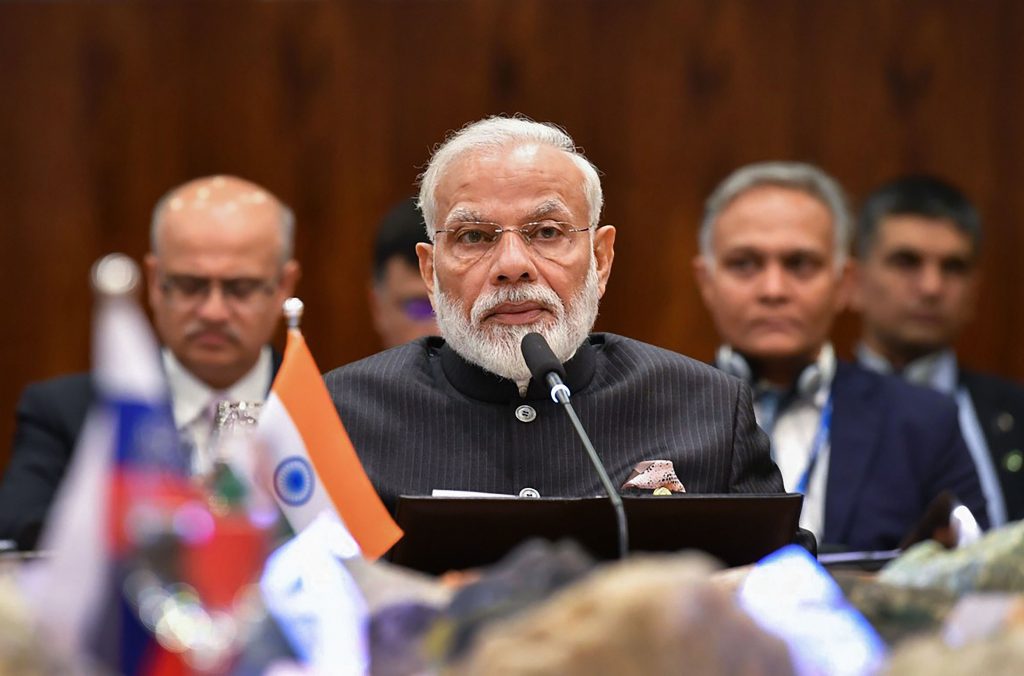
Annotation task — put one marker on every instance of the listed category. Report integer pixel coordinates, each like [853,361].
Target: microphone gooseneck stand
[545,367]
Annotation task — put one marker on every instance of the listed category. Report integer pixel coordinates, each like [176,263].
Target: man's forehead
[237,240]
[542,178]
[774,219]
[774,202]
[218,200]
[544,207]
[923,234]
[232,211]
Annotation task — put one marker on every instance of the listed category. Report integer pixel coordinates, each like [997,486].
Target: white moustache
[192,330]
[520,293]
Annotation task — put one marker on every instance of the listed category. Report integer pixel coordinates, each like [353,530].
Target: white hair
[497,132]
[800,176]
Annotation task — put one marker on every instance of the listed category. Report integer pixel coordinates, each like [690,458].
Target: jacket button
[1014,460]
[526,413]
[1004,421]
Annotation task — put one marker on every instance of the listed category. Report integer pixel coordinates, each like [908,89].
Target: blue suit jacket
[999,404]
[894,448]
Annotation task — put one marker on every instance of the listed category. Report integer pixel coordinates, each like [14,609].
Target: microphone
[545,367]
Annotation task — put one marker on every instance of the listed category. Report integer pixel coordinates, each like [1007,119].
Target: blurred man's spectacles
[417,309]
[190,289]
[471,240]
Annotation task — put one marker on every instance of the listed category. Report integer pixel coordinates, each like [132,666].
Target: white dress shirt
[195,403]
[793,429]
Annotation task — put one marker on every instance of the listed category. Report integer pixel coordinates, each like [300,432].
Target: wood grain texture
[335,107]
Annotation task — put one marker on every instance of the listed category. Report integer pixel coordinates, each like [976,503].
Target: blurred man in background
[918,244]
[219,269]
[868,452]
[398,297]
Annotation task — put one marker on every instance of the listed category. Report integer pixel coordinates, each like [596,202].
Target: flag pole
[115,275]
[293,308]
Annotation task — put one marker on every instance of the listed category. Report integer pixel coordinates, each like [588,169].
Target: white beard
[496,348]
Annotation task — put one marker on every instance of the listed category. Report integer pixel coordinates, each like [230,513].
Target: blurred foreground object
[896,612]
[148,573]
[1001,655]
[642,616]
[947,521]
[793,597]
[993,563]
[321,592]
[928,585]
[527,575]
[22,649]
[129,438]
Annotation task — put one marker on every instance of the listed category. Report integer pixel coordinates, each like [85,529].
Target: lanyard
[820,439]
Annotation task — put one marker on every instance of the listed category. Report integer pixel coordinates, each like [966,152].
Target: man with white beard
[512,210]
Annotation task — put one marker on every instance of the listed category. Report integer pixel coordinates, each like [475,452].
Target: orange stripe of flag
[301,389]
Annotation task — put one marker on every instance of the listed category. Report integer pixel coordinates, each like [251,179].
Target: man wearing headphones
[869,452]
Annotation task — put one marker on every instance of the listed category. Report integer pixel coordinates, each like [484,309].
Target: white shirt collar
[938,370]
[190,396]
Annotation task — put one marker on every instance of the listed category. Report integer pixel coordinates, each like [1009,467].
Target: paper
[443,493]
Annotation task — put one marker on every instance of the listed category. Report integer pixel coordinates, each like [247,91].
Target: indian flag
[313,466]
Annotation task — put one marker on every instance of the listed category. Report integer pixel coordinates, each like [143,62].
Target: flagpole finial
[115,275]
[293,308]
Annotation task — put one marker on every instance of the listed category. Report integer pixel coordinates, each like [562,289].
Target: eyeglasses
[471,240]
[190,289]
[418,309]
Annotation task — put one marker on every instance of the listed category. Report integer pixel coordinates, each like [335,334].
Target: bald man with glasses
[219,268]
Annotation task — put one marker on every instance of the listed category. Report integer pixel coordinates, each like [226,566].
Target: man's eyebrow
[804,251]
[463,215]
[965,259]
[904,251]
[547,208]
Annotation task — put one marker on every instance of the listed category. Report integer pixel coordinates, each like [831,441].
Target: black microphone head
[539,358]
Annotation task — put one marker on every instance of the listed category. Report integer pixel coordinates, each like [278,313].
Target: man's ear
[604,255]
[702,273]
[425,254]
[290,274]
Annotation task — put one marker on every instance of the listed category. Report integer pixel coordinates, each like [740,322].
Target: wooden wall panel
[335,106]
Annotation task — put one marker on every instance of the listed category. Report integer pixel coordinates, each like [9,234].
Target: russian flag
[129,436]
[313,465]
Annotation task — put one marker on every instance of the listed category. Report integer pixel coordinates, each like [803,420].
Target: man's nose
[214,306]
[512,260]
[774,283]
[930,279]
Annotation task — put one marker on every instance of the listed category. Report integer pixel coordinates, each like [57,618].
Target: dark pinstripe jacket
[422,418]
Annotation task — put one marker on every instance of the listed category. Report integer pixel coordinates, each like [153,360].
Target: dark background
[335,107]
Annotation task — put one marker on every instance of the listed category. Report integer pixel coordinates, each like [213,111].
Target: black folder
[456,533]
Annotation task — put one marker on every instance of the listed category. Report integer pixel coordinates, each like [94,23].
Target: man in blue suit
[869,452]
[919,241]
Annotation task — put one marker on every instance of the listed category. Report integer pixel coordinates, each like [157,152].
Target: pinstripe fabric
[421,418]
